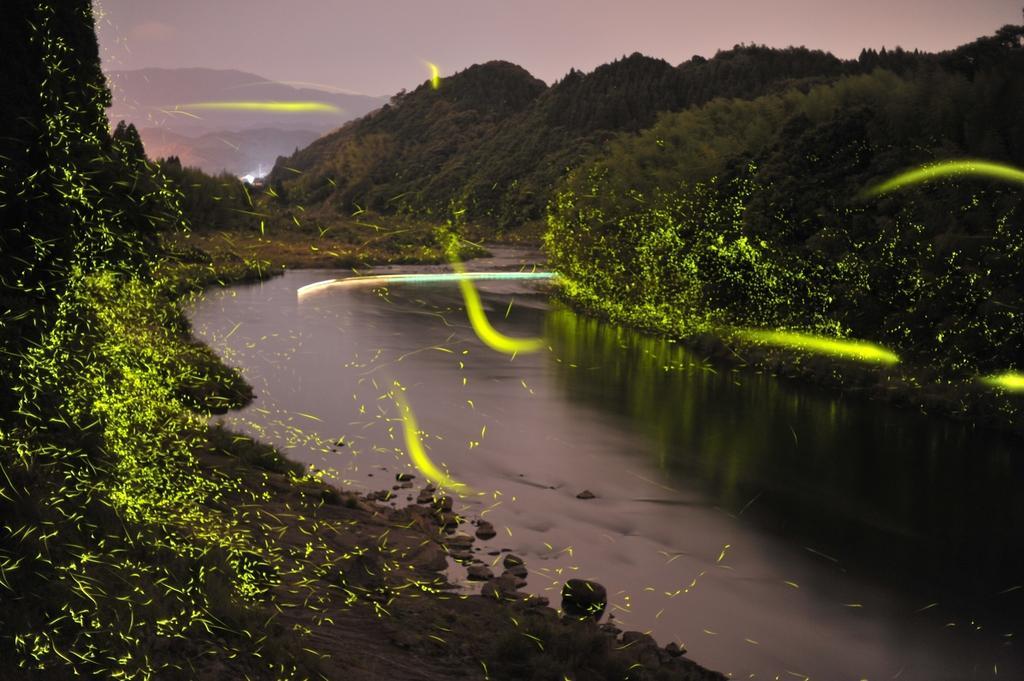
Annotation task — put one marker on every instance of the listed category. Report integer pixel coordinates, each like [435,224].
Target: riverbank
[905,385]
[362,584]
[272,250]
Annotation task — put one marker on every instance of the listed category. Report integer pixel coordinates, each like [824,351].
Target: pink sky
[380,46]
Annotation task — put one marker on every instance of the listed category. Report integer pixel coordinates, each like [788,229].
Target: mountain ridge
[498,168]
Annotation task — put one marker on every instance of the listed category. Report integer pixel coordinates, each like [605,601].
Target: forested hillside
[492,140]
[756,213]
[114,562]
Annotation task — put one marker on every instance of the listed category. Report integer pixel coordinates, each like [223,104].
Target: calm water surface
[774,530]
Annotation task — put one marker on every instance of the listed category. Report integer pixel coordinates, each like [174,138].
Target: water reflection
[873,513]
[920,499]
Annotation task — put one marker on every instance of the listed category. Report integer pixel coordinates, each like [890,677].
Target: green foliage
[71,196]
[221,202]
[752,213]
[496,140]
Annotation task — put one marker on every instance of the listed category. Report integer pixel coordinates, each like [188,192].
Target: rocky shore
[363,583]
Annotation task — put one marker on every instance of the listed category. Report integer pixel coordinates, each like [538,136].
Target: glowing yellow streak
[415,449]
[272,107]
[435,76]
[490,336]
[928,173]
[1010,381]
[858,350]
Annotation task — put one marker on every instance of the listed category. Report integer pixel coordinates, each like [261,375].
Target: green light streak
[857,350]
[435,76]
[490,336]
[927,173]
[1010,381]
[270,107]
[415,449]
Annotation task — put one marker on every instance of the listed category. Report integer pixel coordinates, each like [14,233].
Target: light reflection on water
[769,527]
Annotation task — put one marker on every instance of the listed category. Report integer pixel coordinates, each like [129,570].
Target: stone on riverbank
[582,598]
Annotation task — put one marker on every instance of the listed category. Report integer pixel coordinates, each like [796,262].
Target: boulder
[674,650]
[586,494]
[404,477]
[518,571]
[484,530]
[520,582]
[582,599]
[449,521]
[463,541]
[432,557]
[500,589]
[479,573]
[511,560]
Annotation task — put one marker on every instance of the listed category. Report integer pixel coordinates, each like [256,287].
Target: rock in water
[586,494]
[517,571]
[500,589]
[484,530]
[674,650]
[582,598]
[511,560]
[479,573]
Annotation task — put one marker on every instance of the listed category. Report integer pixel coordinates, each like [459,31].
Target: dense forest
[755,213]
[492,140]
[725,192]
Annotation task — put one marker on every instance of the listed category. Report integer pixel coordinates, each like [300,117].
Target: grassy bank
[140,542]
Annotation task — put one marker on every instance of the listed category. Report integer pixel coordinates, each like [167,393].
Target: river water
[773,529]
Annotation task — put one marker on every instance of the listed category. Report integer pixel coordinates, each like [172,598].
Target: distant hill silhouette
[239,153]
[154,100]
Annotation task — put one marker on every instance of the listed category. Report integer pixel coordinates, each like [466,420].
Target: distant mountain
[495,140]
[239,153]
[158,100]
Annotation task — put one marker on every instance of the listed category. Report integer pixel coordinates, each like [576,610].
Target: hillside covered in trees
[757,213]
[728,192]
[492,140]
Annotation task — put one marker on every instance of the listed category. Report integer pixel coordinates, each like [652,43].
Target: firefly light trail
[490,336]
[435,76]
[1011,381]
[269,107]
[858,350]
[415,449]
[927,173]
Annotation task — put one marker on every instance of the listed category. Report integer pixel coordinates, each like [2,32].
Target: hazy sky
[379,46]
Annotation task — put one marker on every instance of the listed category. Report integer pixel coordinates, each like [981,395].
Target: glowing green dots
[861,351]
[1010,381]
[268,107]
[415,449]
[435,75]
[927,173]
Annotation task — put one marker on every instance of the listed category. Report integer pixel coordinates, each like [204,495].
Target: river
[773,529]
